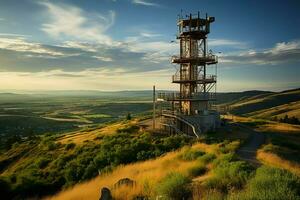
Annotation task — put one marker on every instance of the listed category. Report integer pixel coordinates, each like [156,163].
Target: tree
[128,116]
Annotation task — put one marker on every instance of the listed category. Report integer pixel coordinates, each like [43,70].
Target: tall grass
[270,183]
[228,174]
[174,186]
[276,161]
[147,175]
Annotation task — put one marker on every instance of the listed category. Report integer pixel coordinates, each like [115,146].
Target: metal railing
[177,116]
[208,58]
[200,77]
[181,96]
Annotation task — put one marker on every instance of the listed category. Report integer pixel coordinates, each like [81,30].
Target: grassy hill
[269,105]
[199,171]
[41,165]
[93,157]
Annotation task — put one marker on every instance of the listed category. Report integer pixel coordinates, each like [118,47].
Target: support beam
[153,107]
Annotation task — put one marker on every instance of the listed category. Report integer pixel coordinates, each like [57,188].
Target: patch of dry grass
[276,161]
[280,127]
[146,174]
[81,136]
[291,109]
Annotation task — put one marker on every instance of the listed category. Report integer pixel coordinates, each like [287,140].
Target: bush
[270,183]
[42,162]
[70,146]
[129,129]
[174,186]
[229,175]
[228,147]
[190,154]
[225,158]
[197,170]
[206,158]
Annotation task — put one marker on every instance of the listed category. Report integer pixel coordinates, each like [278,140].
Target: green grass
[97,116]
[190,154]
[51,166]
[197,170]
[174,186]
[228,174]
[270,183]
[206,158]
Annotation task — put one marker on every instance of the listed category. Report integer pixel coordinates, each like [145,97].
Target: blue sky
[125,44]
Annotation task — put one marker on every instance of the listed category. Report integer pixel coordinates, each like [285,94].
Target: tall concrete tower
[191,107]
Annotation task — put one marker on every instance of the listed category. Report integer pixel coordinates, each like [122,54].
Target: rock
[105,194]
[125,181]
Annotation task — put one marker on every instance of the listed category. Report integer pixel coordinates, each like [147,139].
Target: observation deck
[177,78]
[177,96]
[200,60]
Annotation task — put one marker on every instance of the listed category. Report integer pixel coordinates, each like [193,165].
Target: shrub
[270,183]
[42,162]
[197,170]
[228,147]
[206,158]
[70,146]
[174,186]
[225,158]
[190,154]
[128,129]
[229,175]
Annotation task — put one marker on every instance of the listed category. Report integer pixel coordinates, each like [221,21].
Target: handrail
[186,77]
[174,127]
[183,120]
[178,95]
[211,57]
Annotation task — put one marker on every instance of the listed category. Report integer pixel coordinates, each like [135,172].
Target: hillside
[42,165]
[200,171]
[269,105]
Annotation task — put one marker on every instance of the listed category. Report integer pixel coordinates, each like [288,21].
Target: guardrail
[200,77]
[173,114]
[179,96]
[207,58]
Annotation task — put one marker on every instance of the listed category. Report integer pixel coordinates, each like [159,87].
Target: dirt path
[248,151]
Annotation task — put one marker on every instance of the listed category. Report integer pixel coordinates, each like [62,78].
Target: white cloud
[226,42]
[149,34]
[80,45]
[144,3]
[102,58]
[19,44]
[284,47]
[283,52]
[73,22]
[14,35]
[98,79]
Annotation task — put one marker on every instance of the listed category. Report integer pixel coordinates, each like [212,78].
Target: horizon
[29,92]
[101,46]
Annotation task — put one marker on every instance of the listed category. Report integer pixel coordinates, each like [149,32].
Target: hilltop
[88,158]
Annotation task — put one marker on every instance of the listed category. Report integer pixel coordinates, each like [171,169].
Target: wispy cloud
[73,22]
[144,3]
[104,79]
[14,35]
[282,52]
[102,58]
[227,42]
[20,45]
